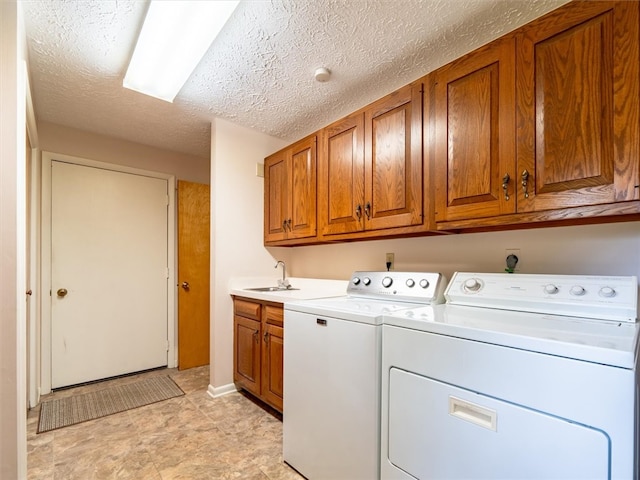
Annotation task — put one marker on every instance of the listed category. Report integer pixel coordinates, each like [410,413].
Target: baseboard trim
[216,392]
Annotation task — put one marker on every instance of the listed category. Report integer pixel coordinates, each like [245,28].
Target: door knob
[62,292]
[185,285]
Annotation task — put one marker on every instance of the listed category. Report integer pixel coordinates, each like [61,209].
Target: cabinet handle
[289,224]
[256,336]
[359,211]
[525,178]
[284,225]
[266,337]
[367,210]
[505,185]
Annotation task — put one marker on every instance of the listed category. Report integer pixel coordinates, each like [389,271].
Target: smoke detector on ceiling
[322,74]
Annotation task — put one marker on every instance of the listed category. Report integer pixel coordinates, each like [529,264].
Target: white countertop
[307,288]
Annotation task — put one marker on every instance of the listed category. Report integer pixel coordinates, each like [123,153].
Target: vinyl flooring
[190,437]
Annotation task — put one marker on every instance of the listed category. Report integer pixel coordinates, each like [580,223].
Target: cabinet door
[341,176]
[475,134]
[578,106]
[393,165]
[246,353]
[301,221]
[272,365]
[276,197]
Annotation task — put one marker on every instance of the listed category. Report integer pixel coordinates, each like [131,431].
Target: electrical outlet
[389,261]
[517,253]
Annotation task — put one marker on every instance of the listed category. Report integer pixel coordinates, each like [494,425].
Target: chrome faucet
[284,283]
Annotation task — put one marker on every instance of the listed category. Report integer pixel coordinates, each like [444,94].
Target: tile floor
[189,437]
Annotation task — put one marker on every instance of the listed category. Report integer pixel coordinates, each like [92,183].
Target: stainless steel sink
[270,289]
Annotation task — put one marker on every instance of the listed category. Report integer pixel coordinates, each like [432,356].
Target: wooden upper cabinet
[290,192]
[475,134]
[393,170]
[303,190]
[276,196]
[341,176]
[370,172]
[578,106]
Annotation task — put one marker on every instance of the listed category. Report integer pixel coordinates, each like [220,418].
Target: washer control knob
[411,283]
[607,292]
[356,281]
[551,289]
[424,283]
[366,281]
[472,285]
[577,290]
[387,281]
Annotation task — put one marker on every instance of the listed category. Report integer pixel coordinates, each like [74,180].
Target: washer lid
[356,309]
[597,341]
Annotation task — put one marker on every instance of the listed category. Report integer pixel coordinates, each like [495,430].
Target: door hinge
[167,272]
[167,345]
[168,201]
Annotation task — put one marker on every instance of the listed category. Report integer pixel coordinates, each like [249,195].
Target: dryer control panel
[599,297]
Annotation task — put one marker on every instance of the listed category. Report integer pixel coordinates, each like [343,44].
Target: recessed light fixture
[174,38]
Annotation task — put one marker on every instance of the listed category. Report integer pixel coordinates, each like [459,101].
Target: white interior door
[109,253]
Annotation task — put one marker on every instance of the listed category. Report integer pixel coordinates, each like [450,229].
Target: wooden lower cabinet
[246,353]
[272,360]
[258,349]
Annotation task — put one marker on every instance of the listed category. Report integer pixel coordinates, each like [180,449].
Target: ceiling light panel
[174,38]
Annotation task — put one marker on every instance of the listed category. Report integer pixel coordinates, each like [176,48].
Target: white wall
[13,398]
[236,230]
[92,146]
[609,249]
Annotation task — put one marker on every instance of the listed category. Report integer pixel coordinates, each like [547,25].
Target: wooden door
[475,134]
[302,189]
[341,176]
[193,274]
[276,196]
[272,357]
[246,353]
[109,250]
[393,166]
[578,132]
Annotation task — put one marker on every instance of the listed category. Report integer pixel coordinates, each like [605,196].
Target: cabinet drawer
[274,315]
[247,309]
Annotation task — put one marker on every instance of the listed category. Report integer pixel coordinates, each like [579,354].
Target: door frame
[45,304]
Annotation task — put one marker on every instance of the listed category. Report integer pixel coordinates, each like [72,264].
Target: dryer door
[437,430]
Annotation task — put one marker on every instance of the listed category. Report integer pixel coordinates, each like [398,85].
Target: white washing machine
[331,420]
[516,376]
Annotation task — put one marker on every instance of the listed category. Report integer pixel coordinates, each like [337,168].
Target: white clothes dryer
[515,377]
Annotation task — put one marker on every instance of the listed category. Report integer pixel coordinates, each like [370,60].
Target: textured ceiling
[259,71]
